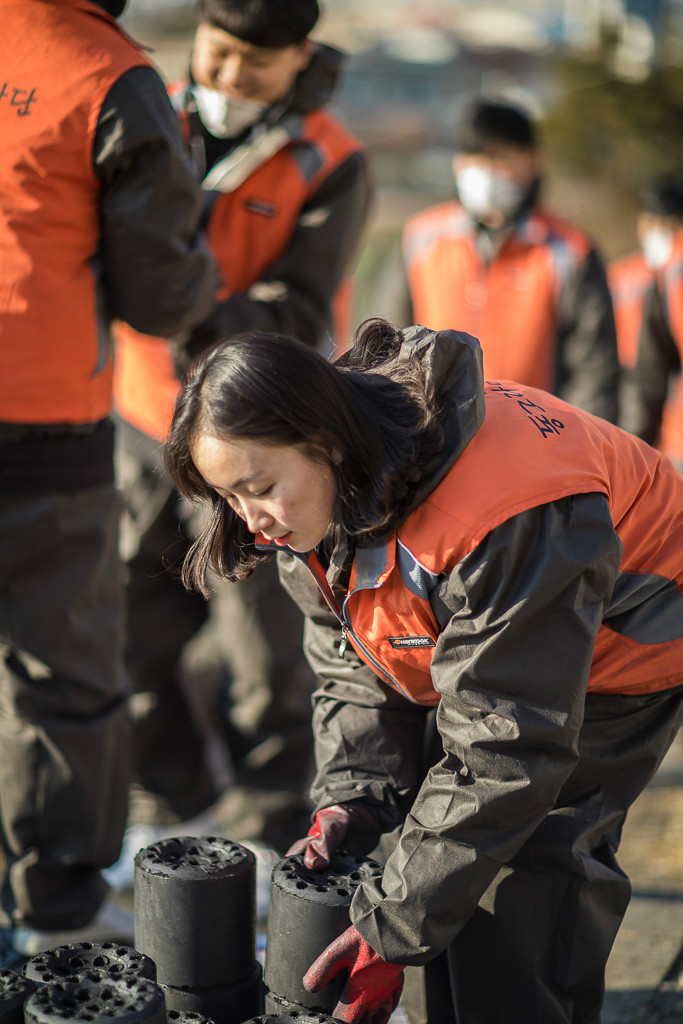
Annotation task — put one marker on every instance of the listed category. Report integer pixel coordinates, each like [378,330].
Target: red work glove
[373,988]
[331,827]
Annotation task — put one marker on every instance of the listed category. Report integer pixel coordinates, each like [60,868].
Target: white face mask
[657,246]
[226,116]
[482,191]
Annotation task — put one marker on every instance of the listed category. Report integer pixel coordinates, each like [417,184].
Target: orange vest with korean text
[511,305]
[630,279]
[249,228]
[55,359]
[531,449]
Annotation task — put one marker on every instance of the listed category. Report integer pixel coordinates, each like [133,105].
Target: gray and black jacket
[518,619]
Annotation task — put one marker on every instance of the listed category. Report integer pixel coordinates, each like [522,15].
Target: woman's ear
[337,456]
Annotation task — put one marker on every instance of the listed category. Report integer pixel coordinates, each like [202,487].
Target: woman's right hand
[373,987]
[331,827]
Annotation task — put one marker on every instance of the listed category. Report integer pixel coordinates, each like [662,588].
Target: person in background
[647,292]
[98,219]
[486,550]
[494,262]
[287,192]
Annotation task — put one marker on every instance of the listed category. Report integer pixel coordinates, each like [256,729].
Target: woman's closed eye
[235,503]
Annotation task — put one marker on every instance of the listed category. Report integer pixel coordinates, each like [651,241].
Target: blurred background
[604,76]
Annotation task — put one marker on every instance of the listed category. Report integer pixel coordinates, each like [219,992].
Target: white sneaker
[120,875]
[110,923]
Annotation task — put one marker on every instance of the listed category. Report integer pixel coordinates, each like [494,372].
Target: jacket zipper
[347,631]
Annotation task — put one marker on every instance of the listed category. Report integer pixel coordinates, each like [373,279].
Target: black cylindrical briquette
[178,1017]
[195,910]
[307,911]
[14,991]
[301,1015]
[276,1006]
[225,1004]
[78,959]
[119,1001]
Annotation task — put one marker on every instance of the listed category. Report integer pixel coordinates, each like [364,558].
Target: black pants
[535,950]
[168,744]
[64,722]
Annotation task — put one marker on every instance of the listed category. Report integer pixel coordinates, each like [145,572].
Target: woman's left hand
[373,988]
[331,827]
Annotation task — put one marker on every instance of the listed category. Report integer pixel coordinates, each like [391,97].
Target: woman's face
[276,489]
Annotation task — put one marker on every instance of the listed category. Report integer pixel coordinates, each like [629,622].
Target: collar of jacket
[453,367]
[533,227]
[316,84]
[371,568]
[234,169]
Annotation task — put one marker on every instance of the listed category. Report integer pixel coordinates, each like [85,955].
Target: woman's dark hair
[269,23]
[372,407]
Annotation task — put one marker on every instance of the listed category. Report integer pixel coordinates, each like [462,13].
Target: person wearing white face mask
[226,116]
[495,263]
[647,290]
[287,191]
[487,194]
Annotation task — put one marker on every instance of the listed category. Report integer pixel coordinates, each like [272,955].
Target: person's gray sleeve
[588,370]
[520,616]
[294,296]
[159,274]
[646,384]
[368,737]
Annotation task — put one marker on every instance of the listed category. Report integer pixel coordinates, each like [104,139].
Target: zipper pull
[342,645]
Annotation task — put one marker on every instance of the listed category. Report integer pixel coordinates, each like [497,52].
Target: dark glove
[373,988]
[331,827]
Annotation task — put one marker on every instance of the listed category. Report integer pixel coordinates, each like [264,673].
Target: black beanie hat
[269,23]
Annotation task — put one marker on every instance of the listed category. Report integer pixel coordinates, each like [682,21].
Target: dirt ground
[645,971]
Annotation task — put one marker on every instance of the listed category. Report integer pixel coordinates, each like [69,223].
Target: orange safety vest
[531,449]
[630,279]
[511,305]
[249,229]
[671,432]
[61,60]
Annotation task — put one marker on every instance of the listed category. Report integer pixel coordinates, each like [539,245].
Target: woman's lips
[283,541]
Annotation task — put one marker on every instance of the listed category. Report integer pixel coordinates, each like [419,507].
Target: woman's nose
[256,517]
